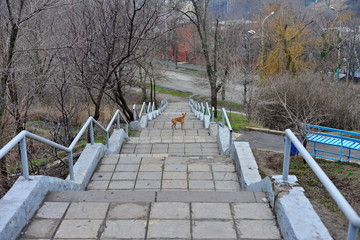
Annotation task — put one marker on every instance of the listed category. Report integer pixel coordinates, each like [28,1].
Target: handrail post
[230,140]
[24,158]
[352,232]
[134,112]
[107,140]
[212,114]
[118,121]
[223,118]
[71,166]
[286,163]
[91,133]
[127,129]
[341,147]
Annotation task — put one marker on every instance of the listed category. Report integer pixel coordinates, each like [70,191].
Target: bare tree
[15,16]
[109,35]
[208,31]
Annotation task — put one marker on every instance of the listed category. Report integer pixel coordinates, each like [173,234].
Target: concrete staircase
[165,184]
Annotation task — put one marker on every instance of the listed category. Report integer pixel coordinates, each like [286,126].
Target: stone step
[155,196]
[172,139]
[152,172]
[189,149]
[152,215]
[135,158]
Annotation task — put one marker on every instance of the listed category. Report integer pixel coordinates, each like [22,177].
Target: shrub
[287,100]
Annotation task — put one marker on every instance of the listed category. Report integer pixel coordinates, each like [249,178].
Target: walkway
[165,184]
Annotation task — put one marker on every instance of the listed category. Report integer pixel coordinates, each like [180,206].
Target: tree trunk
[223,93]
[154,84]
[214,99]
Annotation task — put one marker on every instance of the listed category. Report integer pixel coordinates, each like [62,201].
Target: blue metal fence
[346,142]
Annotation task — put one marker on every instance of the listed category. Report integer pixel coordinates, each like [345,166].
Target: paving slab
[225,176]
[121,185]
[41,228]
[148,184]
[170,210]
[87,210]
[128,211]
[100,176]
[149,175]
[124,229]
[201,185]
[175,167]
[252,211]
[213,230]
[97,185]
[227,185]
[211,211]
[174,184]
[174,175]
[258,229]
[169,229]
[198,168]
[127,167]
[52,210]
[200,176]
[72,229]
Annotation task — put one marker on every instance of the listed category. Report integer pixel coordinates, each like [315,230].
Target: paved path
[165,184]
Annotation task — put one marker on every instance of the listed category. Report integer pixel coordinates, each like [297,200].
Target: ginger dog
[178,119]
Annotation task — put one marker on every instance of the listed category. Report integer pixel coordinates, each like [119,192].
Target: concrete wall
[116,141]
[246,167]
[24,198]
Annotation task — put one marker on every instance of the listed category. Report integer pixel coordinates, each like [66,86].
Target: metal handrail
[21,138]
[225,119]
[349,212]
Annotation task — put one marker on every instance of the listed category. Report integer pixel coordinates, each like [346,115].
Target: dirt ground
[344,176]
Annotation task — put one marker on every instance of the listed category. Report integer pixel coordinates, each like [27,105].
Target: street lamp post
[262,43]
[337,71]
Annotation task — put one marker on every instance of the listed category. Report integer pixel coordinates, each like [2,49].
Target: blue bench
[345,141]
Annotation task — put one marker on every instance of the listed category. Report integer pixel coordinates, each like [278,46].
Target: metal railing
[150,108]
[200,110]
[225,119]
[144,109]
[21,139]
[349,212]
